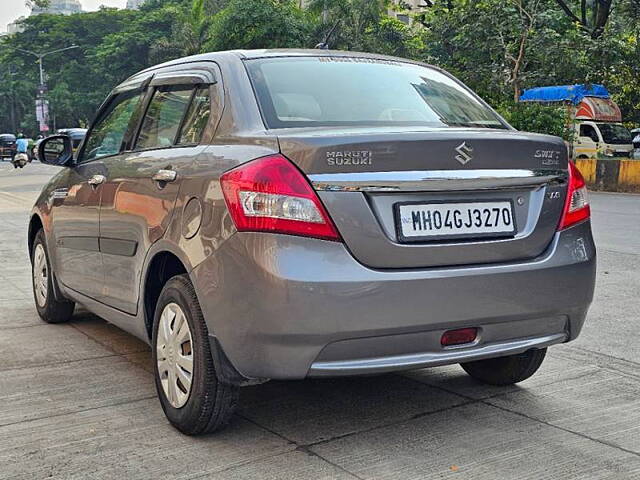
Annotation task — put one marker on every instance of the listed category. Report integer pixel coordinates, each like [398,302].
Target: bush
[537,118]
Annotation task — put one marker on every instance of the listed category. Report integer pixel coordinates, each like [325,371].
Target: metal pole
[40,57]
[12,106]
[42,95]
[13,109]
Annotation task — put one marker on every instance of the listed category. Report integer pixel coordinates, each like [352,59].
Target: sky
[12,9]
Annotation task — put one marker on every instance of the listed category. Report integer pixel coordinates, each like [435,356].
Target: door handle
[165,176]
[96,180]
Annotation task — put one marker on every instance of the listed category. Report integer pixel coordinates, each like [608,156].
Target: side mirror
[56,150]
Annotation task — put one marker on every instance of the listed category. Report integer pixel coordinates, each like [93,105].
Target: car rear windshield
[615,134]
[356,91]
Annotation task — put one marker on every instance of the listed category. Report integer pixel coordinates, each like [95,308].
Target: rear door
[142,185]
[76,208]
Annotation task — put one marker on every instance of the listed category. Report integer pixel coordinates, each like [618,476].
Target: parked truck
[595,119]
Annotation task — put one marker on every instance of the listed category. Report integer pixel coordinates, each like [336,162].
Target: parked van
[596,119]
[7,146]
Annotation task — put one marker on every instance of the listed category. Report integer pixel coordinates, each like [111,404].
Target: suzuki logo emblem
[464,151]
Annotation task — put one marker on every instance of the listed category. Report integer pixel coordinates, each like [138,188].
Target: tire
[506,370]
[49,309]
[206,405]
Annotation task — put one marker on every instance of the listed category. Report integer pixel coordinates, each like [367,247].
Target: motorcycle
[20,160]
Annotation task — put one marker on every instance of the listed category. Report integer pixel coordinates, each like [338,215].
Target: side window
[108,131]
[197,118]
[164,117]
[589,131]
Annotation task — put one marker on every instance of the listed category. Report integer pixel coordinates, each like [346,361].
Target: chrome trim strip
[431,359]
[433,180]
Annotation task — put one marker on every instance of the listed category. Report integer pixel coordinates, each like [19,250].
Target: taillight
[270,194]
[576,207]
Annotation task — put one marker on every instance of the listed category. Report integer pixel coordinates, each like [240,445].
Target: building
[134,4]
[400,9]
[64,7]
[403,9]
[15,27]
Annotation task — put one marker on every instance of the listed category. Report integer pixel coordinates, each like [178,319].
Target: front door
[142,187]
[76,211]
[588,141]
[75,214]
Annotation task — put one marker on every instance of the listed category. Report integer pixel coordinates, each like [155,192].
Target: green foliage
[355,19]
[497,47]
[533,117]
[501,47]
[593,16]
[76,82]
[126,51]
[189,32]
[260,24]
[392,37]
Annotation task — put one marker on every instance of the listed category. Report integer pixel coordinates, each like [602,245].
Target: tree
[260,24]
[528,13]
[593,17]
[130,49]
[392,37]
[76,87]
[497,47]
[490,43]
[355,19]
[189,33]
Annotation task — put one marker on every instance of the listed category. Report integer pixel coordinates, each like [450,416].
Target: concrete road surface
[77,400]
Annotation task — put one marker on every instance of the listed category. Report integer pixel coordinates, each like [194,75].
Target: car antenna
[324,45]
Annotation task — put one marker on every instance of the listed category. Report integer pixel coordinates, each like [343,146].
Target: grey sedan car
[284,214]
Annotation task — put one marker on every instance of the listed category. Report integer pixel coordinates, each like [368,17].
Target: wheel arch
[35,224]
[163,265]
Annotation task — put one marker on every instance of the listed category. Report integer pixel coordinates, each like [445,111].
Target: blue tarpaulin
[563,93]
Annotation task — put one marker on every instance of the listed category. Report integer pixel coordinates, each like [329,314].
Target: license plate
[434,221]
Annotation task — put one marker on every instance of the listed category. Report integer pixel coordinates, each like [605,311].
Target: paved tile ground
[78,400]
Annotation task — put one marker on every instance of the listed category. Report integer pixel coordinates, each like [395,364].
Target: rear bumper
[432,359]
[286,307]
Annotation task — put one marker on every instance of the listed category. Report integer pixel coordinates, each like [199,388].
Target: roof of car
[316,52]
[280,52]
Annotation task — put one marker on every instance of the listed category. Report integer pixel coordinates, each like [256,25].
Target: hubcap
[175,355]
[40,275]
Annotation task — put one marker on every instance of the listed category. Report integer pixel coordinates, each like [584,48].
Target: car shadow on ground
[313,411]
